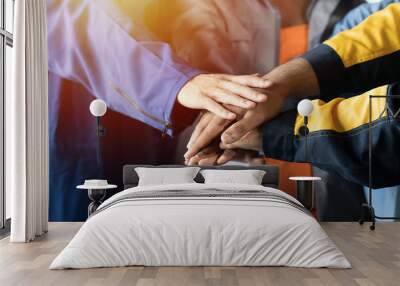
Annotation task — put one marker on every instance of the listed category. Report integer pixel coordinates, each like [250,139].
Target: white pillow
[165,176]
[247,177]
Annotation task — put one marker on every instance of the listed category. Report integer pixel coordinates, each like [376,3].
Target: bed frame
[271,178]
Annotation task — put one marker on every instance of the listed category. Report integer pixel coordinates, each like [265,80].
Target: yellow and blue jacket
[350,67]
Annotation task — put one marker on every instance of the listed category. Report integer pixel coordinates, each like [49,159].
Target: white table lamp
[98,108]
[305,108]
[305,185]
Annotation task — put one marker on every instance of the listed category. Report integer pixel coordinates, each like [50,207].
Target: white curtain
[27,124]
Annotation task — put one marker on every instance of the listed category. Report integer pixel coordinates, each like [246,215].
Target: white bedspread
[190,231]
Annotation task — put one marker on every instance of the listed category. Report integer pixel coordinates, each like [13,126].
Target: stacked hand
[211,91]
[230,128]
[216,140]
[224,98]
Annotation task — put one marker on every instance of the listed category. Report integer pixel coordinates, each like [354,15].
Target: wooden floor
[375,257]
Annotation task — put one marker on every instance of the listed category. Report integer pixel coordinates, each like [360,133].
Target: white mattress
[200,231]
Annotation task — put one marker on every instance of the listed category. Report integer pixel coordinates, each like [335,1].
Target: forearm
[294,79]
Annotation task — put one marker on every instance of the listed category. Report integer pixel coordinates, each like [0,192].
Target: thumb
[239,129]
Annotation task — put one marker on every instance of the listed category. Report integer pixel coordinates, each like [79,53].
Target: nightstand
[97,190]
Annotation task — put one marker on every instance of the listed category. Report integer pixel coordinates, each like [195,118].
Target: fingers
[247,142]
[253,80]
[213,157]
[225,146]
[226,156]
[208,134]
[209,161]
[243,91]
[237,110]
[203,122]
[228,97]
[212,91]
[212,106]
[193,161]
[239,129]
[253,118]
[235,145]
[207,156]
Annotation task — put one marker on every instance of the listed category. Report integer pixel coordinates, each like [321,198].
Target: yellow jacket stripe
[359,59]
[377,36]
[344,115]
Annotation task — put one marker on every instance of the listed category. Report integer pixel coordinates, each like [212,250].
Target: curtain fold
[27,124]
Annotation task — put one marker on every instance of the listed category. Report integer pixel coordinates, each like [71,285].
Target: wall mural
[136,55]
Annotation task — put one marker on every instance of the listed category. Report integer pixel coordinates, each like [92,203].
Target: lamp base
[96,196]
[305,194]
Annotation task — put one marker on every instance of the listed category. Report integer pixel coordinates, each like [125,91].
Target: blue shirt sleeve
[359,14]
[140,79]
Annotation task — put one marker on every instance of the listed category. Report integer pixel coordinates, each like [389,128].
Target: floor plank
[375,257]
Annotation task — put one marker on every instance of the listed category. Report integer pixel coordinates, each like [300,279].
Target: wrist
[294,79]
[280,84]
[180,97]
[182,116]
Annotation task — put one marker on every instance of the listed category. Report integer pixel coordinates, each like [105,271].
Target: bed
[201,224]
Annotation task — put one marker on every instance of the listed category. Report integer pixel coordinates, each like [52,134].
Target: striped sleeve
[360,59]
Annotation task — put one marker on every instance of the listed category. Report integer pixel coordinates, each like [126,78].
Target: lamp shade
[98,107]
[305,107]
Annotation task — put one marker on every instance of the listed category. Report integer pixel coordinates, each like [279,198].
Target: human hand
[253,119]
[211,155]
[217,153]
[210,91]
[214,155]
[293,79]
[252,140]
[209,128]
